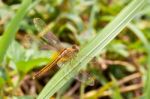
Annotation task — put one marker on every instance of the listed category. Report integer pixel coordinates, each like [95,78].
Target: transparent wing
[85,77]
[46,35]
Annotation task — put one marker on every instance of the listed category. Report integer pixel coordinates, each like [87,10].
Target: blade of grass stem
[10,32]
[115,89]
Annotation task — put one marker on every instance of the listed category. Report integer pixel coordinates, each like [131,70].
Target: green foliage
[116,92]
[12,28]
[27,59]
[114,48]
[146,44]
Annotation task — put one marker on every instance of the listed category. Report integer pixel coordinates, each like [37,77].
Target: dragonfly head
[76,48]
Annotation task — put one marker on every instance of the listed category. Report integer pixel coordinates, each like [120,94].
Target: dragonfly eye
[75,47]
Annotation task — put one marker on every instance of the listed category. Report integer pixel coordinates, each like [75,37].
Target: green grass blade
[92,49]
[141,36]
[146,86]
[10,32]
[115,90]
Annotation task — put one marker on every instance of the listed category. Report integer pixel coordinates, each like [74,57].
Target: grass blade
[10,32]
[92,49]
[140,35]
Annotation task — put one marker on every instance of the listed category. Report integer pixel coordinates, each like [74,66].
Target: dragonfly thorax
[69,52]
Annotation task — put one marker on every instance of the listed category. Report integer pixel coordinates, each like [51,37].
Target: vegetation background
[120,71]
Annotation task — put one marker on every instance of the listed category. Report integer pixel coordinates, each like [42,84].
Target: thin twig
[120,82]
[124,89]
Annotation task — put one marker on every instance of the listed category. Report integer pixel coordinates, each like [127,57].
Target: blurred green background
[121,67]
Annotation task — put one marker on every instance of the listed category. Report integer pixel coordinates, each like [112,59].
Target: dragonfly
[63,54]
